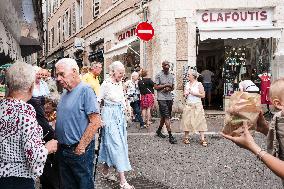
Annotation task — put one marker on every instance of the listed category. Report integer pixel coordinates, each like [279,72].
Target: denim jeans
[137,111]
[17,183]
[76,171]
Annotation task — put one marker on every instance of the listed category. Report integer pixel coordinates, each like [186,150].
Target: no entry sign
[144,31]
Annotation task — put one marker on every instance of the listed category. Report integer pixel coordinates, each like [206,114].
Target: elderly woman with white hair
[114,147]
[193,117]
[22,150]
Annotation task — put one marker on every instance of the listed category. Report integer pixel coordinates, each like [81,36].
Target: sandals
[126,186]
[203,143]
[186,141]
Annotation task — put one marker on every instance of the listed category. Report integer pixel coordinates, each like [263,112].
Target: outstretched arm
[246,141]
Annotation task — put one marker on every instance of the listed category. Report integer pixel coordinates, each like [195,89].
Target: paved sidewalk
[158,164]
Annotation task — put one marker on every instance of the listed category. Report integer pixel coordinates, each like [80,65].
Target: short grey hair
[20,76]
[134,74]
[194,73]
[68,63]
[115,66]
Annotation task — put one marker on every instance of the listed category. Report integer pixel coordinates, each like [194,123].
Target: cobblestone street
[158,164]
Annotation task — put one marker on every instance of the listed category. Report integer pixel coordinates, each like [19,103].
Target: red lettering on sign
[203,17]
[126,34]
[211,18]
[132,31]
[227,16]
[244,16]
[235,16]
[256,15]
[263,15]
[251,15]
[220,17]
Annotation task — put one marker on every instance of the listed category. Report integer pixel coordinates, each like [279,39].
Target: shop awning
[119,48]
[29,46]
[241,33]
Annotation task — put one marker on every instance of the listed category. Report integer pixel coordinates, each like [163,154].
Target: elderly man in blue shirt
[77,122]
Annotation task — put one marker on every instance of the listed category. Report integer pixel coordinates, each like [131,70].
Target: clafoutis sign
[234,16]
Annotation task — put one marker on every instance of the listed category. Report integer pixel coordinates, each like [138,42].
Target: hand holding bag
[243,106]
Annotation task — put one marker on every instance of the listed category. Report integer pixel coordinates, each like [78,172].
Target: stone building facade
[186,34]
[21,29]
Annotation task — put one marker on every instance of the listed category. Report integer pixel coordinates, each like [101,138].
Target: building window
[69,22]
[52,37]
[59,30]
[58,3]
[49,8]
[49,41]
[66,23]
[52,6]
[74,21]
[63,28]
[96,8]
[81,13]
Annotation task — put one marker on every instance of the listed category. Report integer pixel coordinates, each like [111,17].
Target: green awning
[5,66]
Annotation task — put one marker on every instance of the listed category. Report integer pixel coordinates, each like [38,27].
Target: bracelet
[259,155]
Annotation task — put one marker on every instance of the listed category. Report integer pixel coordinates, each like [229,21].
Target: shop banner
[235,18]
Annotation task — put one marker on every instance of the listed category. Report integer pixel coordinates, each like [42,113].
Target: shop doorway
[229,59]
[211,57]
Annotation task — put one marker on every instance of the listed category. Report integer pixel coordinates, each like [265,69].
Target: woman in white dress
[193,117]
[114,147]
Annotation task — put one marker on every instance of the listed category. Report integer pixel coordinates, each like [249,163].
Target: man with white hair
[133,96]
[77,122]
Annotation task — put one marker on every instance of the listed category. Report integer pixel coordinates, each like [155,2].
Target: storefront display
[245,56]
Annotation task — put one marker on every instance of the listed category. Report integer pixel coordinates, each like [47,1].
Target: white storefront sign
[239,23]
[235,18]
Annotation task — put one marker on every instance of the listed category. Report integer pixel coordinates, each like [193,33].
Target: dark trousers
[50,176]
[17,183]
[76,171]
[137,111]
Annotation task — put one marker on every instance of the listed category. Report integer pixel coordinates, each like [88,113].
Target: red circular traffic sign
[144,31]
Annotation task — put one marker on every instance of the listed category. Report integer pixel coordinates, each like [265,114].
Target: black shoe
[172,140]
[160,134]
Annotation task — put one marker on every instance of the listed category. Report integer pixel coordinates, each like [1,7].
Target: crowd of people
[51,137]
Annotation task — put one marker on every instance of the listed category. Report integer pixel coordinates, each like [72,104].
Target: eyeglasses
[97,67]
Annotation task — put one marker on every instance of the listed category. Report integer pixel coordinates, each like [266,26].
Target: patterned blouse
[22,153]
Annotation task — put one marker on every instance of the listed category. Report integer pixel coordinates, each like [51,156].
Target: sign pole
[144,42]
